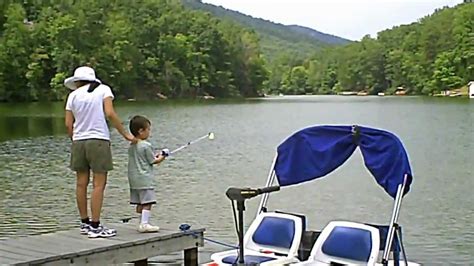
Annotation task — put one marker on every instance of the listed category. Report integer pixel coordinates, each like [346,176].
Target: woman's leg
[81,193]
[97,197]
[99,156]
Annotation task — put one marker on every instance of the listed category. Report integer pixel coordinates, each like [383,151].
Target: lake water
[37,188]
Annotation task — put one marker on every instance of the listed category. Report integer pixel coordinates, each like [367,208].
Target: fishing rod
[209,136]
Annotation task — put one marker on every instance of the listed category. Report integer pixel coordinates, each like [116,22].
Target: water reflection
[15,127]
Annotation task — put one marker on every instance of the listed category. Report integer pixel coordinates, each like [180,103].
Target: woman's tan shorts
[91,154]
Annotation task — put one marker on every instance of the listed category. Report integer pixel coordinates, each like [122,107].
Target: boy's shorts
[142,196]
[91,154]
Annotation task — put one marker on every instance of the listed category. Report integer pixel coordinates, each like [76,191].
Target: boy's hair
[138,122]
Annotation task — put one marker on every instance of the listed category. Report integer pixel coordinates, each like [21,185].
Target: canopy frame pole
[393,221]
[270,179]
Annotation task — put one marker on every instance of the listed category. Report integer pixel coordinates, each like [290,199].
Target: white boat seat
[344,242]
[271,236]
[276,233]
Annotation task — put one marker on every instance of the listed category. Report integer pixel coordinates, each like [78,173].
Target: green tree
[444,75]
[15,48]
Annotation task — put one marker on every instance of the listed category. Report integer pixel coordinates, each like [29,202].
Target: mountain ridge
[274,36]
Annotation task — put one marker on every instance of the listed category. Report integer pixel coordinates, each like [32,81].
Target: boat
[400,91]
[347,93]
[282,238]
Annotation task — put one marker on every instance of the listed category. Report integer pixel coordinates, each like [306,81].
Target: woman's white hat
[84,73]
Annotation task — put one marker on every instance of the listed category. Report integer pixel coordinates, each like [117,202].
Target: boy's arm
[151,157]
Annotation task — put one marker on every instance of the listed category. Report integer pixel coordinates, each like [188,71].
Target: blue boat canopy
[314,152]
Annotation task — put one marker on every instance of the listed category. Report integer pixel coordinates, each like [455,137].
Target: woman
[87,108]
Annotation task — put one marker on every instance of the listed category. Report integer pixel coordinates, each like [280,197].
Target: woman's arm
[114,119]
[69,122]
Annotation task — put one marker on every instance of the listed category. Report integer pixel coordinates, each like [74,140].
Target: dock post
[191,257]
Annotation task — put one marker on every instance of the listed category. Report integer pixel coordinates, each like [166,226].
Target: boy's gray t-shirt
[140,165]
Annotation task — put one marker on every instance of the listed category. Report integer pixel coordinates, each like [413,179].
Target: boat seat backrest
[347,243]
[275,232]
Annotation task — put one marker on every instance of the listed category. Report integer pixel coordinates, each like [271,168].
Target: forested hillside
[275,38]
[436,53]
[140,48]
[146,48]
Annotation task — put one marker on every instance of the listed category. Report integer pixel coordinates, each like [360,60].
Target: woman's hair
[92,86]
[138,122]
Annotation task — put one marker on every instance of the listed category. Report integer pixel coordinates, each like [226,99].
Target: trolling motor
[240,195]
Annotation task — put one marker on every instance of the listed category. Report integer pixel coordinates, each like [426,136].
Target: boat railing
[397,242]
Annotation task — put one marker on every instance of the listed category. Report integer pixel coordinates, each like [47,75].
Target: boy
[141,159]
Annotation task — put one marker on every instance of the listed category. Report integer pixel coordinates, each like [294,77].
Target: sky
[350,19]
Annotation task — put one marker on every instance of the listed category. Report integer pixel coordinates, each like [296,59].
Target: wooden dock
[71,248]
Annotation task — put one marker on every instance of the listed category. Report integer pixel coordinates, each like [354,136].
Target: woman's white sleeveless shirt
[88,111]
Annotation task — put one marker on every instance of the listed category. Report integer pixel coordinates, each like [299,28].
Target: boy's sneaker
[148,228]
[85,228]
[101,231]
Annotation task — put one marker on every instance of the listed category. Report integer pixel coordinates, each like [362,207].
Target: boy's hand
[159,158]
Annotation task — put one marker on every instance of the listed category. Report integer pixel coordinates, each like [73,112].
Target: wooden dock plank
[56,245]
[128,232]
[8,258]
[69,247]
[8,250]
[134,253]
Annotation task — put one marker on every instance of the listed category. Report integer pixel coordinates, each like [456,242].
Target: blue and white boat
[277,238]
